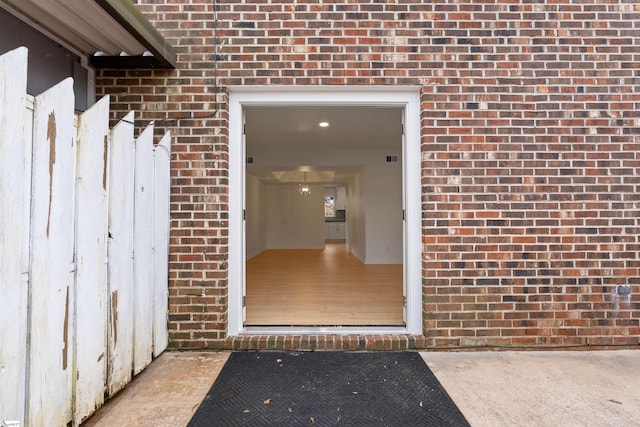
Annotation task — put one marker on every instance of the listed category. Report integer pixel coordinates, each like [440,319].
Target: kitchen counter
[341,216]
[331,219]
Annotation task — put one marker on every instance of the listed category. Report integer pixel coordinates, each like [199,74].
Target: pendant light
[304,189]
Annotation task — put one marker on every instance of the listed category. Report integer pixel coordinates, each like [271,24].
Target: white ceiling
[296,128]
[349,127]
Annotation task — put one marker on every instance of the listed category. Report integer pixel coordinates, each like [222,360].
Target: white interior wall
[356,219]
[256,224]
[293,221]
[341,197]
[383,211]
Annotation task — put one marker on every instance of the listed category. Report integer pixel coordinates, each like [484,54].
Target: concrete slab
[166,393]
[554,388]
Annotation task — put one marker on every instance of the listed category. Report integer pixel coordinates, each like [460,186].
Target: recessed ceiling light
[323,124]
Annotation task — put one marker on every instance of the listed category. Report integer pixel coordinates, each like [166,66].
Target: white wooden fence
[84,229]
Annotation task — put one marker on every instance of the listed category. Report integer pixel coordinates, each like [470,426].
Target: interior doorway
[281,146]
[298,159]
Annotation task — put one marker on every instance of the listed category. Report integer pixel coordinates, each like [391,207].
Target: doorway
[280,169]
[298,158]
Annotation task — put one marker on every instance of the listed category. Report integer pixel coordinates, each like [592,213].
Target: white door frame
[406,97]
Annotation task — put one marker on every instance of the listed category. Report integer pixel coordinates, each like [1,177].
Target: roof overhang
[111,33]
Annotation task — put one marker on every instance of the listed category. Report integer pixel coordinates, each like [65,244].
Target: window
[329,206]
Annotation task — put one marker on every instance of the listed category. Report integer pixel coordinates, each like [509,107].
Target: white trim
[407,97]
[258,91]
[91,80]
[413,214]
[236,221]
[255,254]
[357,255]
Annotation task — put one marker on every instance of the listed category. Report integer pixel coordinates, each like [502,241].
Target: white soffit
[311,177]
[90,26]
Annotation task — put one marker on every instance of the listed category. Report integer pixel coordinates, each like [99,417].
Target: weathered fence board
[121,195]
[161,198]
[51,264]
[143,256]
[78,229]
[91,257]
[14,191]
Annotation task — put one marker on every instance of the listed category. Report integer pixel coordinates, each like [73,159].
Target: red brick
[544,147]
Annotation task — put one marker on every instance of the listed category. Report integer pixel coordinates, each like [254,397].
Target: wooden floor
[322,287]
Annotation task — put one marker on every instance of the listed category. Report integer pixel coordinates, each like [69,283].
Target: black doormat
[327,389]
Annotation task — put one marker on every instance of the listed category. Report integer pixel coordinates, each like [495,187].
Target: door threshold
[324,330]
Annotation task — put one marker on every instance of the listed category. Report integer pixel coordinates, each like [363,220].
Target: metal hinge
[244,301]
[404,301]
[403,217]
[244,214]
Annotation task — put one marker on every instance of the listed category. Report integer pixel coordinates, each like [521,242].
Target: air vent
[249,160]
[392,159]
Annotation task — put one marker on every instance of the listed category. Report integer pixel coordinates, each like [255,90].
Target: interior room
[324,216]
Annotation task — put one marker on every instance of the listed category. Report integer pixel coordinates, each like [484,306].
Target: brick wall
[530,151]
